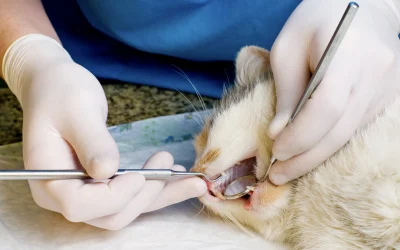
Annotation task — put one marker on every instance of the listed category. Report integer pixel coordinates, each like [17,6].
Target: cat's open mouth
[243,168]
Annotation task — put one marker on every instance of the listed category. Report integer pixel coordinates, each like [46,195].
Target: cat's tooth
[219,195]
[223,174]
[251,188]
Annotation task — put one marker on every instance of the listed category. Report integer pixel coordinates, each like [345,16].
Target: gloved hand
[362,78]
[64,127]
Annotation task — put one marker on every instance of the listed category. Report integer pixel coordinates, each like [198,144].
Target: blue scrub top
[148,41]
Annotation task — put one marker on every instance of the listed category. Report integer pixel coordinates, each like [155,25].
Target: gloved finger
[287,56]
[141,201]
[176,191]
[77,201]
[45,149]
[81,202]
[319,115]
[96,149]
[282,172]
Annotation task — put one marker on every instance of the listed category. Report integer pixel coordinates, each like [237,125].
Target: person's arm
[19,18]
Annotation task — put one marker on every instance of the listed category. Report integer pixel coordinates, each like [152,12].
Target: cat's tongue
[237,171]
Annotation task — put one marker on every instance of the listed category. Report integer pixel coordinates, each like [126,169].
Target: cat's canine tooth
[219,195]
[251,188]
[223,174]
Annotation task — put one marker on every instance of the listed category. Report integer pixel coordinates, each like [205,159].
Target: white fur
[234,131]
[351,201]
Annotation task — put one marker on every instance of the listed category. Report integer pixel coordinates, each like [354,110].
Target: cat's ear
[252,64]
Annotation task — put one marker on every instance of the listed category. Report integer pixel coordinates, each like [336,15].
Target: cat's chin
[222,207]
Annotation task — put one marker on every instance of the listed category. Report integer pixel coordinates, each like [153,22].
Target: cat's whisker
[195,110]
[184,75]
[231,220]
[227,77]
[224,89]
[202,103]
[201,210]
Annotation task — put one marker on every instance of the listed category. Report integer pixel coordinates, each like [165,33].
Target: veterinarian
[56,50]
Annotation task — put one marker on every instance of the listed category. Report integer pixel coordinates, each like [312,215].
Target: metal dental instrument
[324,62]
[149,174]
[240,187]
[245,184]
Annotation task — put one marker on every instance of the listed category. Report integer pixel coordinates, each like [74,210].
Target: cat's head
[236,134]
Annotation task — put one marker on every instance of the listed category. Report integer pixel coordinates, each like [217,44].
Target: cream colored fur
[351,201]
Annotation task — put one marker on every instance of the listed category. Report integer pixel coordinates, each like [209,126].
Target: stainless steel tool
[244,185]
[149,174]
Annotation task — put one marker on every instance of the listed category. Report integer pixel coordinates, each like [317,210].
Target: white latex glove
[64,127]
[362,78]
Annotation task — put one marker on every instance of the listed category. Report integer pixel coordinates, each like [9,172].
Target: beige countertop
[126,102]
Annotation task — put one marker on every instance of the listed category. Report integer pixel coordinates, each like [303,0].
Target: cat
[350,201]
